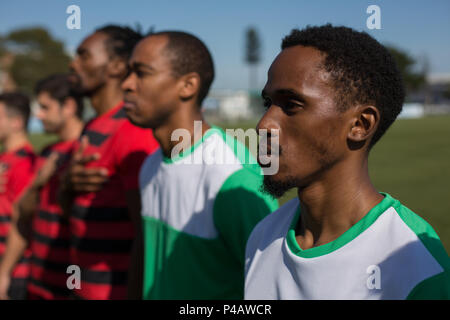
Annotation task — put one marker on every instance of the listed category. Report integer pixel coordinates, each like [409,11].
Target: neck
[107,97]
[330,206]
[183,119]
[15,141]
[71,129]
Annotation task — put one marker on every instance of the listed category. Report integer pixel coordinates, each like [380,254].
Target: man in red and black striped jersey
[60,111]
[101,193]
[16,170]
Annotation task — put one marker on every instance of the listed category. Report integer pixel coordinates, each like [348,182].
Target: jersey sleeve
[434,288]
[21,175]
[238,207]
[437,286]
[133,145]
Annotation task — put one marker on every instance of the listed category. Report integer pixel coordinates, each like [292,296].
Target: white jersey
[197,217]
[391,253]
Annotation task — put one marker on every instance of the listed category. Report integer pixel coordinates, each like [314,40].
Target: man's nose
[268,121]
[72,65]
[129,83]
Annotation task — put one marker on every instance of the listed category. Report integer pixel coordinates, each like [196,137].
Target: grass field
[411,162]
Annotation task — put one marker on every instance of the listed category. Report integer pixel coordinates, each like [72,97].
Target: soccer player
[16,170]
[61,110]
[100,189]
[332,93]
[196,215]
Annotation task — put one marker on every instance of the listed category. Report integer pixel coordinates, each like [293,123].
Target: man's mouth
[129,105]
[267,152]
[74,78]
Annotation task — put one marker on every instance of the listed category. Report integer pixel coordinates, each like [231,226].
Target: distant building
[412,110]
[228,105]
[432,99]
[34,124]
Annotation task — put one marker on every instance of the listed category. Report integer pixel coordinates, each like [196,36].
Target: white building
[230,104]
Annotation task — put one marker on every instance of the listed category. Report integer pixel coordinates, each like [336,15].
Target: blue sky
[418,26]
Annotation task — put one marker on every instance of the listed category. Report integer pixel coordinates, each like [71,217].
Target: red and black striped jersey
[101,227]
[50,243]
[19,165]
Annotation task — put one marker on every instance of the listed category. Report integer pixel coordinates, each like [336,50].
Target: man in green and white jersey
[200,197]
[332,92]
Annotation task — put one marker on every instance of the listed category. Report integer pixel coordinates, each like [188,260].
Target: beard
[79,87]
[277,188]
[153,123]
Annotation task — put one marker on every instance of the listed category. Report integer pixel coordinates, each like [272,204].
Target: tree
[2,46]
[413,80]
[252,54]
[447,91]
[36,55]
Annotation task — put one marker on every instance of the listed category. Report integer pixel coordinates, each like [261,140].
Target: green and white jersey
[197,218]
[391,253]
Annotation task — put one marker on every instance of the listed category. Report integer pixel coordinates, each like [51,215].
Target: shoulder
[25,153]
[436,287]
[237,150]
[24,157]
[47,150]
[150,167]
[231,159]
[132,144]
[126,130]
[151,160]
[243,178]
[425,233]
[59,146]
[272,227]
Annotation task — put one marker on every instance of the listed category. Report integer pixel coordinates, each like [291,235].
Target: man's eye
[292,105]
[140,73]
[267,103]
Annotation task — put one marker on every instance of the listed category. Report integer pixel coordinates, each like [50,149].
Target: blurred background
[411,162]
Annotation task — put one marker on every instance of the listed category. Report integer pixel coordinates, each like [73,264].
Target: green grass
[411,162]
[39,141]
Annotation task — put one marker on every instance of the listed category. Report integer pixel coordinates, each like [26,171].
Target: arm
[28,202]
[22,212]
[16,244]
[77,178]
[2,178]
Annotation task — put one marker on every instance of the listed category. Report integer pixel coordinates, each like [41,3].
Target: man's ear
[17,123]
[117,67]
[364,123]
[189,85]
[69,107]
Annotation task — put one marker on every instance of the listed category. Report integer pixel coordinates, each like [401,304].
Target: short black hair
[17,104]
[59,87]
[121,40]
[362,70]
[187,53]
